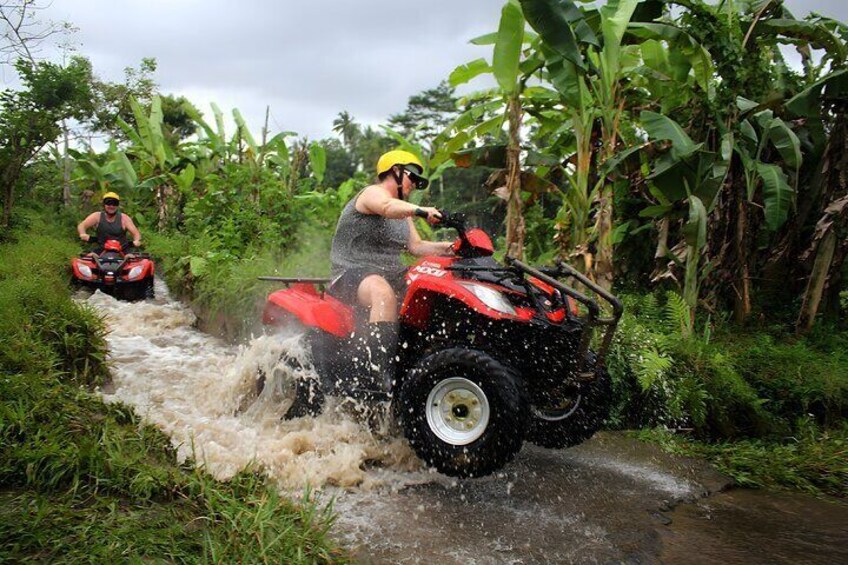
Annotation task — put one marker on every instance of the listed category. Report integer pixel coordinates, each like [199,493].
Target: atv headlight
[135,272]
[84,270]
[491,298]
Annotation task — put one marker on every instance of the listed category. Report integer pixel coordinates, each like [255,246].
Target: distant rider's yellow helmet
[405,160]
[112,195]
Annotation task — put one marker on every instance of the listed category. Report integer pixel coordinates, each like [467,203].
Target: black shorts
[346,285]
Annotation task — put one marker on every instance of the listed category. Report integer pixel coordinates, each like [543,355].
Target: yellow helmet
[111,195]
[397,157]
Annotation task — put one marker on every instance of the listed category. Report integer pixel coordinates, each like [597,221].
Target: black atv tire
[572,425]
[437,398]
[149,291]
[308,399]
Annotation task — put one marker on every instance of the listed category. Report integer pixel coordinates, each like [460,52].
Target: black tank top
[111,230]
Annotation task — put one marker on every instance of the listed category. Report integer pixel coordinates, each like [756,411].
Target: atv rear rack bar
[294,280]
[593,317]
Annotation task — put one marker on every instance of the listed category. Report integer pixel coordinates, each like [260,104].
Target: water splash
[203,394]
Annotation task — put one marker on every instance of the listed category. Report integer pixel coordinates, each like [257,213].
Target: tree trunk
[66,170]
[162,203]
[603,227]
[742,303]
[515,229]
[8,179]
[816,283]
[829,245]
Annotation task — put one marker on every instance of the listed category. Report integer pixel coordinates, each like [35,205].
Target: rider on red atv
[110,224]
[374,229]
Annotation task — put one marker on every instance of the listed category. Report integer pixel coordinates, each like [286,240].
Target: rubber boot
[376,356]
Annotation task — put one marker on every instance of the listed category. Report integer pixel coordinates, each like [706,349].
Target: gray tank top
[111,230]
[368,241]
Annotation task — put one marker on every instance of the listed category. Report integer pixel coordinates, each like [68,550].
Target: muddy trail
[610,500]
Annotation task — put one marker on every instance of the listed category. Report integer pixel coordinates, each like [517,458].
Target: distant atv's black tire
[579,422]
[149,291]
[424,404]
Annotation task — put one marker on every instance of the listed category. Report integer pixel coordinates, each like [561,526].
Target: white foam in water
[201,392]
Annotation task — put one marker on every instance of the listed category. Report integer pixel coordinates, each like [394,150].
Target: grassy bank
[813,460]
[224,287]
[767,407]
[82,481]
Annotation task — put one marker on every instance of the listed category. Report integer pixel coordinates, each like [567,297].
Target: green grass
[225,287]
[813,461]
[86,482]
[728,383]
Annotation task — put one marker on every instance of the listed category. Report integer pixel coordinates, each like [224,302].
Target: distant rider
[373,231]
[110,224]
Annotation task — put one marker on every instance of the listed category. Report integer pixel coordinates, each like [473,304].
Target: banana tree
[154,156]
[827,250]
[588,72]
[111,170]
[489,110]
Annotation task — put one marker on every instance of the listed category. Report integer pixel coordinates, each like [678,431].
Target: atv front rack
[594,316]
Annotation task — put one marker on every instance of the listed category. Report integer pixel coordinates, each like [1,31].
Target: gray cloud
[307,60]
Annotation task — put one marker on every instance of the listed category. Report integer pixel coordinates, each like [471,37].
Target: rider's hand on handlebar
[85,237]
[136,243]
[432,215]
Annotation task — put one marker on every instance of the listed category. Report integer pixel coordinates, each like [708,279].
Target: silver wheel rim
[557,414]
[457,411]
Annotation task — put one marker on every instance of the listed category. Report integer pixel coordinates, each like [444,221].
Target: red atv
[489,354]
[126,276]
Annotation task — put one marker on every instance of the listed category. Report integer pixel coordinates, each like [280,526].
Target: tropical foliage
[671,149]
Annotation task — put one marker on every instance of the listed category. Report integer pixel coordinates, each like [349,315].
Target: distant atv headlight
[135,272]
[84,270]
[491,298]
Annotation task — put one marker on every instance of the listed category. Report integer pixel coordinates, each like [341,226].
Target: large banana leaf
[493,156]
[507,53]
[468,71]
[157,138]
[695,230]
[569,82]
[124,169]
[777,194]
[786,143]
[549,18]
[697,55]
[808,103]
[615,16]
[660,127]
[145,137]
[244,132]
[219,120]
[491,38]
[819,36]
[318,160]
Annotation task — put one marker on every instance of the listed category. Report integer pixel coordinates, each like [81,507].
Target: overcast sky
[308,60]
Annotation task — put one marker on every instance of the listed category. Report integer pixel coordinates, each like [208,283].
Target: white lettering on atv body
[428,270]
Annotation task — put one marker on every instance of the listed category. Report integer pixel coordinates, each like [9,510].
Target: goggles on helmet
[111,202]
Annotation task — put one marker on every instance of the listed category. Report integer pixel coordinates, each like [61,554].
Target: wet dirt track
[610,500]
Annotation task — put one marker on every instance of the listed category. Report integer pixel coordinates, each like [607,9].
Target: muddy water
[610,500]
